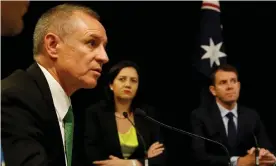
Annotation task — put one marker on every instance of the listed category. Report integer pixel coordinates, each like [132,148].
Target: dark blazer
[207,122]
[30,131]
[101,135]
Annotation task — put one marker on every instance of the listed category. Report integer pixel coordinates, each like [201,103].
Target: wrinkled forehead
[89,26]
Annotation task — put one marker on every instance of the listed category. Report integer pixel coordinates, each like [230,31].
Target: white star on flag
[213,52]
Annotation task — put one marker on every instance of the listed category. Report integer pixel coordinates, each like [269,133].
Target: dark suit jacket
[101,135]
[30,131]
[207,122]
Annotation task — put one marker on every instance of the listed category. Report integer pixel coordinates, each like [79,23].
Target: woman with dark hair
[110,138]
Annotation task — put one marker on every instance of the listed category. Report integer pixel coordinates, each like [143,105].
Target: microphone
[125,114]
[142,113]
[257,151]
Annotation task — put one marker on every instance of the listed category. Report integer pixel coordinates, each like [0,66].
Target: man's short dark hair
[223,67]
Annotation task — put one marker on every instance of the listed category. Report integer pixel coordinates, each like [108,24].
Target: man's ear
[51,44]
[212,89]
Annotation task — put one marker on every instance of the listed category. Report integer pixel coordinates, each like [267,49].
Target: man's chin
[90,85]
[230,101]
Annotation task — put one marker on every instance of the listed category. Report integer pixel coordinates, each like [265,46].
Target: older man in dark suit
[37,118]
[226,121]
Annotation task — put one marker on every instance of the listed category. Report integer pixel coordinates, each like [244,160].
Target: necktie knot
[69,116]
[230,115]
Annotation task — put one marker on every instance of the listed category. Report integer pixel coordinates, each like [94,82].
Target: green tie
[68,132]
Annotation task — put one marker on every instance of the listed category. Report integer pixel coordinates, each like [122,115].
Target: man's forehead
[224,75]
[90,25]
[90,33]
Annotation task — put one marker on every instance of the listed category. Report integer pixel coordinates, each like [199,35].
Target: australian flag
[212,51]
[211,47]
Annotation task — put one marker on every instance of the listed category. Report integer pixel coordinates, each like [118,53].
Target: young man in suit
[233,125]
[37,118]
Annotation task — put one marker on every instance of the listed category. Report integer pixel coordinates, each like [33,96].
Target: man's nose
[103,55]
[230,85]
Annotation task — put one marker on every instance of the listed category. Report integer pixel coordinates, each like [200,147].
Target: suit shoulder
[249,111]
[21,95]
[97,107]
[199,111]
[18,81]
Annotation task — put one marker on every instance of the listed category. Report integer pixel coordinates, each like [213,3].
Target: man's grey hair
[58,20]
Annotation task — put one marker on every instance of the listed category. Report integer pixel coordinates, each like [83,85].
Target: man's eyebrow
[97,37]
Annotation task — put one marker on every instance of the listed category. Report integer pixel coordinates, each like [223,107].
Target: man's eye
[93,43]
[223,82]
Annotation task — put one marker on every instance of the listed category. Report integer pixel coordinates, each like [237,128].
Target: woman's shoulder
[101,105]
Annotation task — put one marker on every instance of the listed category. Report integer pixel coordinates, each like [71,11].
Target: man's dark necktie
[232,132]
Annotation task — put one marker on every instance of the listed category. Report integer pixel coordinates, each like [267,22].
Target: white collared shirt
[61,101]
[224,112]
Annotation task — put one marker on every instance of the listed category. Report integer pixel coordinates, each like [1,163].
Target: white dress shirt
[223,113]
[61,101]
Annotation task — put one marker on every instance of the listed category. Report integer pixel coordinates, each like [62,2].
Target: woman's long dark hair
[112,74]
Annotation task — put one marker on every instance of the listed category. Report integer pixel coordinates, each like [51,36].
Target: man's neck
[228,106]
[52,70]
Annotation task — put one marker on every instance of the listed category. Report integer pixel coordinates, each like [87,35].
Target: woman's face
[125,84]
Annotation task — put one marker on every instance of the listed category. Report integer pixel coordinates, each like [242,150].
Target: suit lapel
[241,125]
[107,119]
[143,130]
[218,124]
[42,83]
[50,115]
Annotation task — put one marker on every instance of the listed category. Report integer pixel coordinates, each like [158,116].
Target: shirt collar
[61,101]
[224,111]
